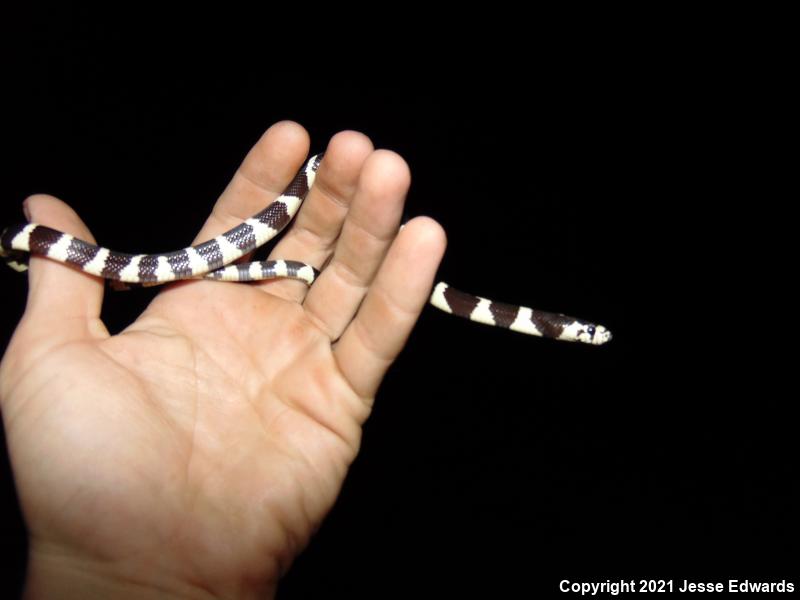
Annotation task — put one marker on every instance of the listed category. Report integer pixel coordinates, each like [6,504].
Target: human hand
[193,454]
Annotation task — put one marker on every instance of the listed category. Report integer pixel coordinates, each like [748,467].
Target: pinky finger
[392,305]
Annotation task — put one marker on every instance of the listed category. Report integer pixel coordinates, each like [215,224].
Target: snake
[216,258]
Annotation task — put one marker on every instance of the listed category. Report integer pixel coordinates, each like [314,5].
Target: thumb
[61,298]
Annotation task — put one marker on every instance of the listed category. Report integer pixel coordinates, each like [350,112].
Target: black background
[598,184]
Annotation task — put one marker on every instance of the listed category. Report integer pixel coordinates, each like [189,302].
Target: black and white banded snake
[214,260]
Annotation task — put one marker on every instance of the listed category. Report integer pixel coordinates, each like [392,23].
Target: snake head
[596,335]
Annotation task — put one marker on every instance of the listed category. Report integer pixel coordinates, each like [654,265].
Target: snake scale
[214,260]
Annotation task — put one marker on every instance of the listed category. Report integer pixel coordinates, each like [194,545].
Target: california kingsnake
[213,260]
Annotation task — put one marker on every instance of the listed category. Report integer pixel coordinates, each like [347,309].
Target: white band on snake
[213,260]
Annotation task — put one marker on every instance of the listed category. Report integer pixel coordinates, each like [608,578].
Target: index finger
[263,175]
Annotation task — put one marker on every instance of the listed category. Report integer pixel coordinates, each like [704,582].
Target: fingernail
[25,210]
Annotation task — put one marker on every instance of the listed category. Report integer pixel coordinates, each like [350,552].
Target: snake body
[213,260]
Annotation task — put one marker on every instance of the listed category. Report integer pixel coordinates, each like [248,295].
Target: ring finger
[369,229]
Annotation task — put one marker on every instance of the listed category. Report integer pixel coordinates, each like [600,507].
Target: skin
[194,454]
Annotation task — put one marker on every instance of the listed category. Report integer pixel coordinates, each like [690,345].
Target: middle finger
[316,227]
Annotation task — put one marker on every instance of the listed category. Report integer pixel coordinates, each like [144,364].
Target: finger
[263,175]
[368,231]
[64,301]
[400,290]
[317,225]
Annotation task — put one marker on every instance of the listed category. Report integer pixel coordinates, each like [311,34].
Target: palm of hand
[198,427]
[207,441]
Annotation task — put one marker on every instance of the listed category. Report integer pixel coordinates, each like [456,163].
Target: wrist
[57,574]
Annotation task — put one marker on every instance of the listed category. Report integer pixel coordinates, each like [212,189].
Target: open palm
[195,452]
